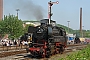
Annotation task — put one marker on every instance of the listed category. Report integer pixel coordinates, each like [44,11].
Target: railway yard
[21,54]
[45,38]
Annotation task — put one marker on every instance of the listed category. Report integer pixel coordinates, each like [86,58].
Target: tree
[1,29]
[11,25]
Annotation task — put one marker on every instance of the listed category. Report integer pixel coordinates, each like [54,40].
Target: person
[15,43]
[10,43]
[25,43]
[5,44]
[20,43]
[30,44]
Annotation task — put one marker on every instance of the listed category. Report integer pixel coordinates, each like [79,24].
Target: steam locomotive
[46,39]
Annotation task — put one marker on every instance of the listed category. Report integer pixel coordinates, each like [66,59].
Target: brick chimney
[1,9]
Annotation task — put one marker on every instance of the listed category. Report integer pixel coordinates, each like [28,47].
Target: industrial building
[1,9]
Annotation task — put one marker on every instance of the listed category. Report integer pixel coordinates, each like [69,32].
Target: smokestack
[1,9]
[81,20]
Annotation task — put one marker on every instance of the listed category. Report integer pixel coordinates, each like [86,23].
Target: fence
[16,47]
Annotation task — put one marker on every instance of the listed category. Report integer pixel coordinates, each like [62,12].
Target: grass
[80,55]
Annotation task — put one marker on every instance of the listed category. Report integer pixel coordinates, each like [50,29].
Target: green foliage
[66,28]
[80,55]
[11,25]
[86,33]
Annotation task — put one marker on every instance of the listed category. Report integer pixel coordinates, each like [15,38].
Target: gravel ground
[26,56]
[14,57]
[7,58]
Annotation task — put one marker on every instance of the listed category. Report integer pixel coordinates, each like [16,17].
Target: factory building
[1,9]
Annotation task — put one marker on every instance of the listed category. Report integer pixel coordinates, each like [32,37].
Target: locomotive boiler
[47,39]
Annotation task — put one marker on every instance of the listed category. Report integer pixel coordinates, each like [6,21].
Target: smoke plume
[30,9]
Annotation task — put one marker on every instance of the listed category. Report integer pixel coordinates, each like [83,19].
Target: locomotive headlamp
[38,27]
[39,30]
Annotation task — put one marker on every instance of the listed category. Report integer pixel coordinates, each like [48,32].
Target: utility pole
[17,12]
[82,31]
[68,30]
[49,9]
[80,21]
[68,26]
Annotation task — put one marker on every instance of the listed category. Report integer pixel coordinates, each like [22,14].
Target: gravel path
[26,56]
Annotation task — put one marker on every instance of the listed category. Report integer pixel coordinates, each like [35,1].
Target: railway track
[75,45]
[10,53]
[22,55]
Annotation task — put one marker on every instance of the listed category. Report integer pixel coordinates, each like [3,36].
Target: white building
[35,23]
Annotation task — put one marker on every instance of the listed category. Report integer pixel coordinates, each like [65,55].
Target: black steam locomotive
[47,39]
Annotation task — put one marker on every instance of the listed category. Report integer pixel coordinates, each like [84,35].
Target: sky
[66,10]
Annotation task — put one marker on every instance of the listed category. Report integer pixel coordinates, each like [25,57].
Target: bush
[80,55]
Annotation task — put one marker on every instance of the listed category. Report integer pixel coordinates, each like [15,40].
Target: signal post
[49,9]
